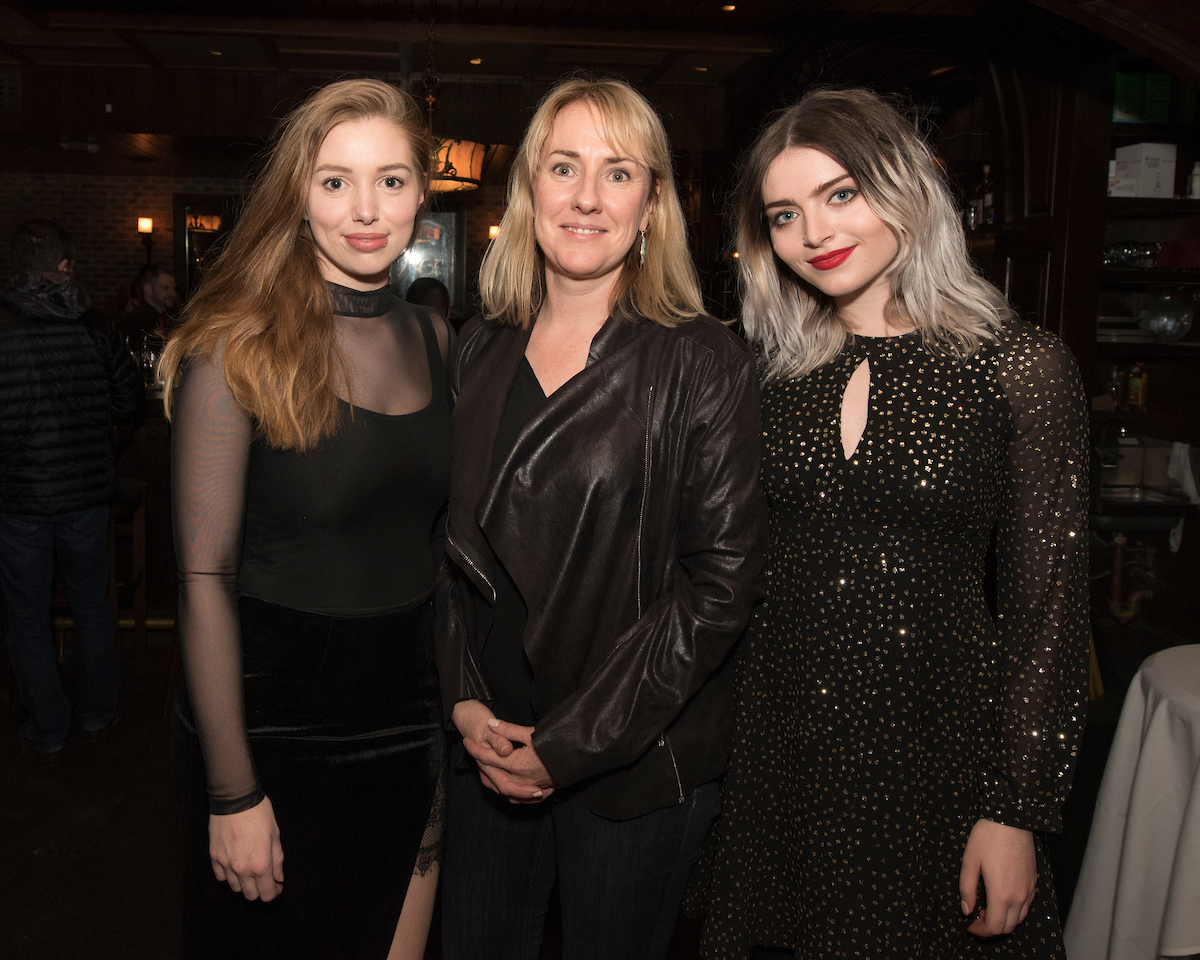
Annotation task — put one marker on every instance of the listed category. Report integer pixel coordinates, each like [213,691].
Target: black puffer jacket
[630,517]
[63,384]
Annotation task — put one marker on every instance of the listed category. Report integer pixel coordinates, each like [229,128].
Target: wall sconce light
[146,229]
[493,231]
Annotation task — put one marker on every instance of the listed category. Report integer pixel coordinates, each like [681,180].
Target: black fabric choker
[361,303]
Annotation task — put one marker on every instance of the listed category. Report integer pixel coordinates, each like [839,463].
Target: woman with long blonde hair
[899,747]
[310,459]
[603,545]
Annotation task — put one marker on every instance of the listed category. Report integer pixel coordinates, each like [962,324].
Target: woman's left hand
[521,776]
[1004,857]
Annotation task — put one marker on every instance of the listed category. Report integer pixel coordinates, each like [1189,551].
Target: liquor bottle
[1136,395]
[984,202]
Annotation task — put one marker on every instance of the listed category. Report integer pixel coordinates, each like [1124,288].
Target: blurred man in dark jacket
[154,299]
[64,382]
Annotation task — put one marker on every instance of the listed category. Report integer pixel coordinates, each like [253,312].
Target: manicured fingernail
[493,722]
[965,909]
[538,793]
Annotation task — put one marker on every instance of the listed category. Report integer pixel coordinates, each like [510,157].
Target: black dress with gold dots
[883,708]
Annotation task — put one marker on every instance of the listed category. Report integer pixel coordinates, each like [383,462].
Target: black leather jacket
[630,517]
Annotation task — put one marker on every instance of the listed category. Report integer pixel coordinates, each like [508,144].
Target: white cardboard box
[1151,166]
[1117,186]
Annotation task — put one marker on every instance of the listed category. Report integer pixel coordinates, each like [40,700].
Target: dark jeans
[620,881]
[28,545]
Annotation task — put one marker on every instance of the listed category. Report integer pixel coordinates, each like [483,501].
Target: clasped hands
[508,762]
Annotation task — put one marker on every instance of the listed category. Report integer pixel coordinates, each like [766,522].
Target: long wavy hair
[934,285]
[264,297]
[512,278]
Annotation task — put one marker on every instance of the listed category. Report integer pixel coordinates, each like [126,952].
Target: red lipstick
[835,258]
[367,242]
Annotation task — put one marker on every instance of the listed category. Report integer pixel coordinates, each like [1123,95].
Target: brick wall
[100,213]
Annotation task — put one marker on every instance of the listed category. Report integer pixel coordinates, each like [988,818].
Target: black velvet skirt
[345,729]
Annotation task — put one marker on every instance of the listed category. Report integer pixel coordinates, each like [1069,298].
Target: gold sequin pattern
[883,706]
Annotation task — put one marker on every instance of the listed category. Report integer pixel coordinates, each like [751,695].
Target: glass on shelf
[151,353]
[1131,255]
[1169,313]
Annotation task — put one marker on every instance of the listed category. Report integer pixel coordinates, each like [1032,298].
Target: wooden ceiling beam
[271,49]
[1157,30]
[133,43]
[665,64]
[732,43]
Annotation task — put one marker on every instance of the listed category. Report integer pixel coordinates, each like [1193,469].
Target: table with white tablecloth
[1138,896]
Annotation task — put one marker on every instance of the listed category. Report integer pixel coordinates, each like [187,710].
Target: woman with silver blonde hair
[899,747]
[604,541]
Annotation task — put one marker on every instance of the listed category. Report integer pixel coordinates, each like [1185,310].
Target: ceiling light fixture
[476,61]
[458,164]
[729,7]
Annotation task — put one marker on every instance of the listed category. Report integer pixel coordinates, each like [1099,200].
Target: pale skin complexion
[589,200]
[823,228]
[362,203]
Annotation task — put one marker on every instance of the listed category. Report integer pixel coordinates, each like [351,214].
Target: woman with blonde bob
[603,543]
[310,461]
[899,747]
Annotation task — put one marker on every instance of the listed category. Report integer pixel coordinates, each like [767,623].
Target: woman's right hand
[471,718]
[246,852]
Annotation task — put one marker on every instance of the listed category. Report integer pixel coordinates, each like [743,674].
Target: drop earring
[642,257]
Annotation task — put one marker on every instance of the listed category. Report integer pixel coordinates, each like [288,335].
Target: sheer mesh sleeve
[210,448]
[1041,574]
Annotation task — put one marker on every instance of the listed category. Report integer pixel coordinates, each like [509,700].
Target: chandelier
[458,164]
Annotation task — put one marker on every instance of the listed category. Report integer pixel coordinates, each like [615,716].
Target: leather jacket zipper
[450,542]
[645,497]
[665,741]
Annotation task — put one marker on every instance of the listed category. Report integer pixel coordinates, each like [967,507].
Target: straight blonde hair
[934,284]
[264,297]
[665,289]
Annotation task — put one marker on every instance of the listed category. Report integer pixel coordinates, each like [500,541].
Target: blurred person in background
[153,301]
[64,383]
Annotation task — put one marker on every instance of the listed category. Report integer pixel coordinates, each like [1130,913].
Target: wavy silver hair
[934,284]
